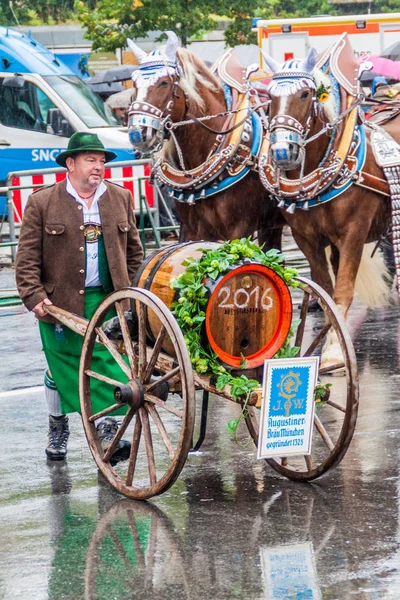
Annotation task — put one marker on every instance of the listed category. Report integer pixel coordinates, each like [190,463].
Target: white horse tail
[373,280]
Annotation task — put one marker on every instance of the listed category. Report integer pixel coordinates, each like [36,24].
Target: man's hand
[39,308]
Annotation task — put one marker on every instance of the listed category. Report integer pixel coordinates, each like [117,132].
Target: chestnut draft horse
[319,163]
[208,136]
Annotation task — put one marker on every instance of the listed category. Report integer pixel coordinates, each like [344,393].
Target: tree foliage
[240,12]
[111,23]
[6,16]
[36,12]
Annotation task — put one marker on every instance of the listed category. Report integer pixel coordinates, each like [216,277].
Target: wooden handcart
[248,314]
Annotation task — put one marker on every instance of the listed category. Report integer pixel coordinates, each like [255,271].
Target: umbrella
[121,73]
[385,66]
[377,65]
[121,100]
[392,52]
[367,77]
[105,89]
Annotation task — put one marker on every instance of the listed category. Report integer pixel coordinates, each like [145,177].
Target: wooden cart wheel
[334,420]
[127,553]
[158,425]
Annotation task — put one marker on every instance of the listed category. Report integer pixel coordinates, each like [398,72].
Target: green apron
[63,348]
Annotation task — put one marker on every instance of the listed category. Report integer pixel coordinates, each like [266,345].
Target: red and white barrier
[20,197]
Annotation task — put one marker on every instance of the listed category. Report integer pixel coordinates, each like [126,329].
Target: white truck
[284,39]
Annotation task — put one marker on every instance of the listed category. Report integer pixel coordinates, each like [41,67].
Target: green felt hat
[83,142]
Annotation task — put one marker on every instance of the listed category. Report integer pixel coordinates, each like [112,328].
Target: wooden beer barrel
[249,310]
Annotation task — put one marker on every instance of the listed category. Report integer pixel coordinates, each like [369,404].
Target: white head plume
[172,45]
[273,65]
[138,52]
[310,61]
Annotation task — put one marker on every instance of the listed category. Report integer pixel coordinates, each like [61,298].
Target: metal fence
[134,175]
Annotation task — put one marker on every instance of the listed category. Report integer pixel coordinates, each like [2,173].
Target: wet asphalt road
[230,528]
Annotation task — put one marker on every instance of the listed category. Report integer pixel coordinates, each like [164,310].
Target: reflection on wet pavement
[229,528]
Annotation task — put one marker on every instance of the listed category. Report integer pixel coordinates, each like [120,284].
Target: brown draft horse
[300,143]
[174,86]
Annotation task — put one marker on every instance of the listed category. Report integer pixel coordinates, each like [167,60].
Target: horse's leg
[270,226]
[334,260]
[314,252]
[183,234]
[345,261]
[350,254]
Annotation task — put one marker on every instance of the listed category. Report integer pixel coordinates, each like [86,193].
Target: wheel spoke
[121,430]
[121,551]
[162,379]
[151,558]
[144,417]
[160,426]
[318,339]
[137,432]
[323,433]
[141,312]
[331,369]
[104,412]
[154,355]
[103,378]
[151,374]
[336,405]
[309,462]
[136,541]
[164,405]
[127,338]
[335,415]
[113,351]
[303,318]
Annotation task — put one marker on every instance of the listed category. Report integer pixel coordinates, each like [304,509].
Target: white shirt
[91,216]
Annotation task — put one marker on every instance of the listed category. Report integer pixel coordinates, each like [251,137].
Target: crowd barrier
[129,174]
[133,175]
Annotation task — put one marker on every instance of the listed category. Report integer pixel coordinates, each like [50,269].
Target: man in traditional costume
[78,243]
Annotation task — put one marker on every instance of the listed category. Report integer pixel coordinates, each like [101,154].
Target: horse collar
[321,185]
[225,166]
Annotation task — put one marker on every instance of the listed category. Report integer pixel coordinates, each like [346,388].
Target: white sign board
[287,409]
[289,572]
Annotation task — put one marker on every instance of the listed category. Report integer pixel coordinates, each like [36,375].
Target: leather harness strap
[373,183]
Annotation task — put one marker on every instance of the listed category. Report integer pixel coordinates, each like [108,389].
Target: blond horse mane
[195,72]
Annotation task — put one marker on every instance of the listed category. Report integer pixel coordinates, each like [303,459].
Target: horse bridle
[285,128]
[151,116]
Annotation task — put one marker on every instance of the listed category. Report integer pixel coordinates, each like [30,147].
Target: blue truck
[42,103]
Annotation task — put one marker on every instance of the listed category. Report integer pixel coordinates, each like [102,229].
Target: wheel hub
[131,393]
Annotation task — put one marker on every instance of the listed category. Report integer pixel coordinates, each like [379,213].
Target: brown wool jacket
[51,250]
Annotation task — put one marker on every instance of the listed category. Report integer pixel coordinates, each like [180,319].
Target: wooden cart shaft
[164,363]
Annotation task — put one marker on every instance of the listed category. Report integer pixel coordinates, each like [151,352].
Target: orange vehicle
[284,39]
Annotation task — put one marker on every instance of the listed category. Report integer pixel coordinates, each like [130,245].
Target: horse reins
[199,121]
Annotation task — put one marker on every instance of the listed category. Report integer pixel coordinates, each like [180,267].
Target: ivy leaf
[187,278]
[222,381]
[232,425]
